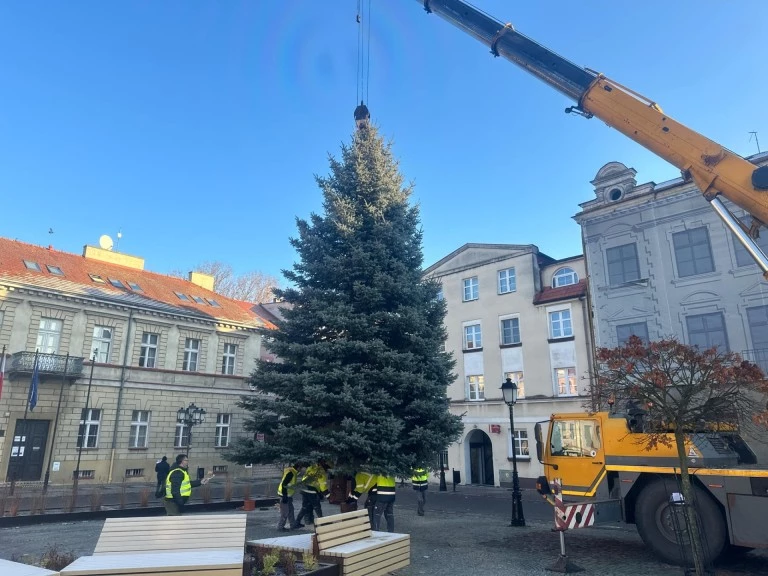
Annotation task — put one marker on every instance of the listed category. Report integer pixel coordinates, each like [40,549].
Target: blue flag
[33,388]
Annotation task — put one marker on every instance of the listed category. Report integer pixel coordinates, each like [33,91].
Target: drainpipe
[589,322]
[120,397]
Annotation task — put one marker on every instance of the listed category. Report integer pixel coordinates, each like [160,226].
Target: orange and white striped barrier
[568,517]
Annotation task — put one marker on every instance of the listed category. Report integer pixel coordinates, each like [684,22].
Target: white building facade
[516,313]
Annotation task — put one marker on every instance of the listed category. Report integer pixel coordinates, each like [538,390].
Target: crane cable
[363,51]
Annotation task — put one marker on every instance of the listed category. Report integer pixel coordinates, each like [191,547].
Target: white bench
[211,545]
[8,568]
[347,540]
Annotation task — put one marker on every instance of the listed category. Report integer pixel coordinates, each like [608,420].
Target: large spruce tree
[362,376]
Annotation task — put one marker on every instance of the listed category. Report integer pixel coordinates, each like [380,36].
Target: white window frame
[49,335]
[223,426]
[560,326]
[148,354]
[518,378]
[479,381]
[89,421]
[471,289]
[507,276]
[181,435]
[513,319]
[229,359]
[139,429]
[191,354]
[102,344]
[515,442]
[569,378]
[565,276]
[473,336]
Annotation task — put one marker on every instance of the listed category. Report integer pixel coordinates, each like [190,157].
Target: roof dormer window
[55,270]
[564,277]
[135,287]
[116,283]
[181,296]
[199,300]
[32,265]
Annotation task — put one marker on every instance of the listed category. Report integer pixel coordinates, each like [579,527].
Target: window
[96,278]
[742,256]
[48,336]
[116,283]
[757,317]
[476,385]
[32,265]
[623,265]
[692,252]
[565,378]
[507,282]
[624,331]
[517,378]
[442,459]
[181,438]
[86,474]
[228,359]
[560,324]
[440,295]
[471,289]
[198,299]
[707,331]
[134,472]
[576,438]
[510,331]
[519,443]
[213,302]
[191,352]
[473,337]
[135,287]
[564,277]
[55,270]
[220,469]
[222,430]
[148,355]
[139,429]
[181,296]
[89,428]
[102,343]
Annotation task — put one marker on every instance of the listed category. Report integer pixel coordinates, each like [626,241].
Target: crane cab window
[575,438]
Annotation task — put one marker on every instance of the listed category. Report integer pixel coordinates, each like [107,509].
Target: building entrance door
[28,450]
[480,459]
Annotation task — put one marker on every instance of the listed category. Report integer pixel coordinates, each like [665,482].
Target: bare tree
[680,390]
[252,286]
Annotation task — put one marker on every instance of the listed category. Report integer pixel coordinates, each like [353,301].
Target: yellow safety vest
[385,488]
[364,482]
[186,484]
[314,480]
[291,484]
[420,479]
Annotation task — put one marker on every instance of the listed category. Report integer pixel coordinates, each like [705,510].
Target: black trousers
[310,503]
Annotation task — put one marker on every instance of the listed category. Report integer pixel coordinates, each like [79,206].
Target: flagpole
[55,424]
[23,456]
[84,439]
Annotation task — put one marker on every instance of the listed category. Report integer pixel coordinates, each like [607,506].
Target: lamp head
[509,392]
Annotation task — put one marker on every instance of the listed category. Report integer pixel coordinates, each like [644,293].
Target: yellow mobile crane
[601,457]
[715,169]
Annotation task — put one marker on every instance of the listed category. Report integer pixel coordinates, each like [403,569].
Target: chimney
[203,280]
[93,253]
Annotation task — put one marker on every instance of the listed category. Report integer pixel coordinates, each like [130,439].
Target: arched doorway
[480,458]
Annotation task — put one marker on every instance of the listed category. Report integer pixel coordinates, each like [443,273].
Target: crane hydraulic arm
[714,169]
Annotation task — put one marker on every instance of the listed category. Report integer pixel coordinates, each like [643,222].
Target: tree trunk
[699,560]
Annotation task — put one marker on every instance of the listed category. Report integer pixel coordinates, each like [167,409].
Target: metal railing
[49,364]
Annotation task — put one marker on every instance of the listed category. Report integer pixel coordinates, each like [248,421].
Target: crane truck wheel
[661,523]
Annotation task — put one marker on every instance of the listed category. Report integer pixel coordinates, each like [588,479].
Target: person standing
[314,489]
[178,486]
[364,482]
[161,468]
[286,490]
[420,483]
[385,502]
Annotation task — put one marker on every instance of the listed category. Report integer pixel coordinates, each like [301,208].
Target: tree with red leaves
[681,390]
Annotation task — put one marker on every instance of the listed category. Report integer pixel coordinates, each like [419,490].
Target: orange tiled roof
[549,294]
[158,291]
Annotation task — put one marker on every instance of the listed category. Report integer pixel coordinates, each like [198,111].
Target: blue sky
[196,127]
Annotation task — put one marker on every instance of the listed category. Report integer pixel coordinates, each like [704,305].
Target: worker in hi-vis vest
[178,486]
[385,502]
[420,483]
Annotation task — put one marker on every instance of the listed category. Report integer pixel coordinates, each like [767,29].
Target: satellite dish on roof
[105,242]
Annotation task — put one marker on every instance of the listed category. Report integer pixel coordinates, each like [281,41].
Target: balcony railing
[47,364]
[758,356]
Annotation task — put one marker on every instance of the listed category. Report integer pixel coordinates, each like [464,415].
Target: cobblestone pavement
[449,540]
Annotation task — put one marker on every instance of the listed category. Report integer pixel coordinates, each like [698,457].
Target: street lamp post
[83,440]
[190,416]
[443,487]
[509,391]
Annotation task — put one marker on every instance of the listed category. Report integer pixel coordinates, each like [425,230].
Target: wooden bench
[8,568]
[347,540]
[210,545]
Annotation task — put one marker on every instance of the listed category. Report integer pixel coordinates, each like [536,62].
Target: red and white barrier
[568,517]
